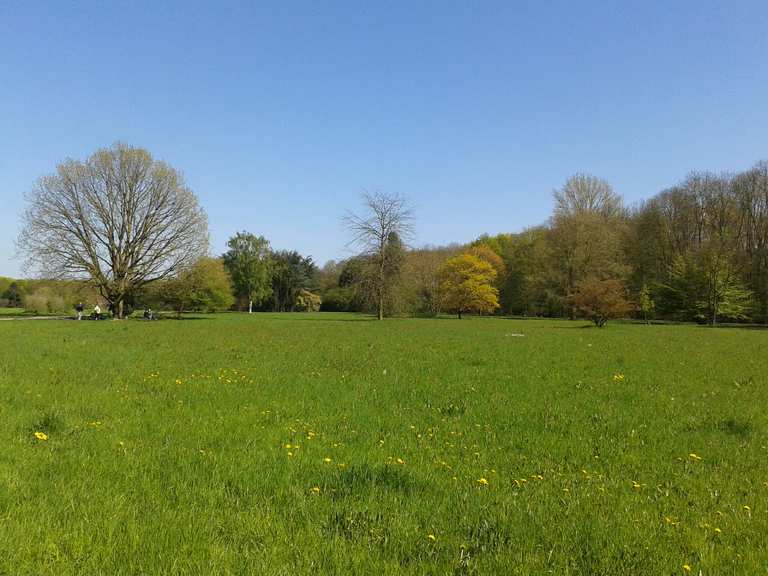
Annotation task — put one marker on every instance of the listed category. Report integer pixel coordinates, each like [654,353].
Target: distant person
[148,314]
[79,309]
[96,312]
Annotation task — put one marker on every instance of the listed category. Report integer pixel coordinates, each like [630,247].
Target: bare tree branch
[120,219]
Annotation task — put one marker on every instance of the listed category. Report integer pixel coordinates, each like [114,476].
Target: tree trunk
[459,314]
[120,309]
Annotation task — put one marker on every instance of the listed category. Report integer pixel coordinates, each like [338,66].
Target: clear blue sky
[280,115]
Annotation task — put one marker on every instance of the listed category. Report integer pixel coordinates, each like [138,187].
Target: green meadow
[334,444]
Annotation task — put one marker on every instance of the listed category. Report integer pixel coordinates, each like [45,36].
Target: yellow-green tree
[484,252]
[467,285]
[203,287]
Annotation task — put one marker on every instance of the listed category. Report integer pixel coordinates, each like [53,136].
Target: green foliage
[705,288]
[45,301]
[249,263]
[14,294]
[292,273]
[307,301]
[167,447]
[205,287]
[466,285]
[645,303]
[337,300]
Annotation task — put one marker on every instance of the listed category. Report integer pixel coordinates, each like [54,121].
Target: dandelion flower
[431,537]
[327,460]
[482,481]
[686,568]
[694,457]
[618,377]
[315,489]
[400,461]
[746,508]
[718,531]
[42,436]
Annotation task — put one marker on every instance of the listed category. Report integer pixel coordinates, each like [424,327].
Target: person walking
[79,309]
[96,312]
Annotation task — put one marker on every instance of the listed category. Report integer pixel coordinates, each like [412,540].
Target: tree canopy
[249,262]
[119,219]
[466,285]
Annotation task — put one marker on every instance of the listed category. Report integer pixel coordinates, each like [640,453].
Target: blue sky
[279,115]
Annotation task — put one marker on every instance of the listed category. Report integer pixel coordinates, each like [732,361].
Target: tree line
[127,227]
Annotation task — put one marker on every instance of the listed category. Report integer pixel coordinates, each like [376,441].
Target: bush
[308,301]
[44,302]
[337,300]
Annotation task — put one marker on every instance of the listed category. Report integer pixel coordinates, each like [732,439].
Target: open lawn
[332,444]
[8,312]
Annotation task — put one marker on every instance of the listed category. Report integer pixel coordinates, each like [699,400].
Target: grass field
[8,312]
[331,444]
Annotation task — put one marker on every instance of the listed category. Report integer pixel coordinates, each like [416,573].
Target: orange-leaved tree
[601,300]
[466,285]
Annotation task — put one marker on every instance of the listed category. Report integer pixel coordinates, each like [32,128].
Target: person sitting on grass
[148,314]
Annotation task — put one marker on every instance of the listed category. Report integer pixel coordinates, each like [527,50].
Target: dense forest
[697,251]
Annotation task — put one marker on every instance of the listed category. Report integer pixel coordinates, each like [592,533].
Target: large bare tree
[387,220]
[120,219]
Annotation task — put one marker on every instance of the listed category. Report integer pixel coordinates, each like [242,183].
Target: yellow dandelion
[42,436]
[686,568]
[482,481]
[290,454]
[400,461]
[315,489]
[694,457]
[718,531]
[327,460]
[431,537]
[618,377]
[746,508]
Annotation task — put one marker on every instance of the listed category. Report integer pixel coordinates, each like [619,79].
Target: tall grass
[322,443]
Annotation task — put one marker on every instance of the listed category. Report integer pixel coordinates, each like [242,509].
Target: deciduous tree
[601,300]
[249,263]
[205,286]
[120,219]
[466,285]
[379,231]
